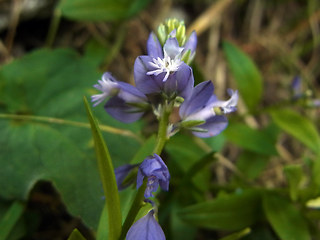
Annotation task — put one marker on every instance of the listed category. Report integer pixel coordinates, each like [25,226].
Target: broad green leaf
[9,220]
[260,141]
[284,218]
[245,73]
[228,212]
[101,10]
[107,177]
[298,126]
[294,175]
[45,133]
[76,235]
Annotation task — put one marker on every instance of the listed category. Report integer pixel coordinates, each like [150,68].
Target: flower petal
[122,111]
[146,83]
[154,47]
[181,82]
[191,43]
[214,126]
[198,100]
[146,228]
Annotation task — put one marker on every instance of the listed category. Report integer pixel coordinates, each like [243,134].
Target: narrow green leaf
[76,235]
[294,175]
[101,10]
[107,177]
[284,218]
[245,73]
[10,219]
[298,126]
[237,235]
[231,212]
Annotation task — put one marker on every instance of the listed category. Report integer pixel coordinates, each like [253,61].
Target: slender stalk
[161,140]
[54,25]
[60,121]
[162,132]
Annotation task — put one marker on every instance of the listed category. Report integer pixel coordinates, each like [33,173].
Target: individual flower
[126,103]
[122,174]
[146,228]
[163,70]
[296,88]
[156,172]
[203,113]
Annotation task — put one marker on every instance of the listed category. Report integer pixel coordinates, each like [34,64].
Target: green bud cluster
[168,26]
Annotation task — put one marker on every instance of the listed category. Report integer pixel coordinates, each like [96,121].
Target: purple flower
[126,103]
[146,228]
[203,113]
[296,87]
[162,70]
[122,173]
[157,173]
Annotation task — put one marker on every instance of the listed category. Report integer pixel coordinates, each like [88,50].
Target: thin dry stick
[15,15]
[204,21]
[69,123]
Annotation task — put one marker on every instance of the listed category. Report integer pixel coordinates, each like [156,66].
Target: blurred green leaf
[229,212]
[76,235]
[145,150]
[101,10]
[260,141]
[184,154]
[251,164]
[9,220]
[284,218]
[237,235]
[51,84]
[245,73]
[294,175]
[298,126]
[107,176]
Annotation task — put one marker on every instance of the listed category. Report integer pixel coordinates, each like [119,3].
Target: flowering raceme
[164,80]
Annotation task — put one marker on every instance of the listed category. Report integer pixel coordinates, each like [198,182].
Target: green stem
[139,199]
[162,132]
[65,122]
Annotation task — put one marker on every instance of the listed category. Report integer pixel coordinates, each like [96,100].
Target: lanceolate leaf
[245,73]
[298,126]
[107,177]
[233,212]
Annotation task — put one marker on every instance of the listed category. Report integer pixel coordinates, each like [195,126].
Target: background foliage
[259,179]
